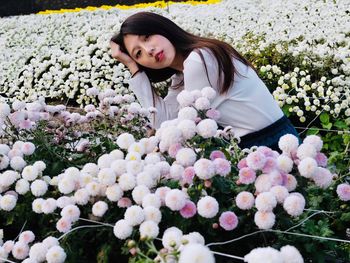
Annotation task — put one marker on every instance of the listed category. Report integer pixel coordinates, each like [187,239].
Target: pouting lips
[159,56]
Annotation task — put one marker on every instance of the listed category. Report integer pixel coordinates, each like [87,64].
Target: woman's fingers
[120,55]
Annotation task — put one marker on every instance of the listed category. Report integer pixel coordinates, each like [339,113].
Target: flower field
[83,178]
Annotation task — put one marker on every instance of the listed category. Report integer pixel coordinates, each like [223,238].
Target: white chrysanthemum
[81,196]
[207,128]
[152,213]
[63,201]
[4,149]
[66,185]
[20,250]
[107,176]
[99,208]
[185,98]
[93,188]
[30,260]
[202,103]
[122,229]
[125,140]
[38,252]
[5,110]
[17,163]
[291,255]
[151,200]
[146,178]
[30,173]
[28,148]
[245,200]
[71,212]
[50,241]
[175,199]
[8,202]
[280,192]
[152,158]
[307,167]
[137,147]
[56,254]
[7,178]
[134,167]
[265,202]
[171,135]
[208,92]
[48,206]
[315,141]
[188,128]
[172,238]
[207,207]
[134,215]
[40,166]
[154,170]
[22,186]
[26,237]
[36,205]
[263,183]
[194,238]
[294,204]
[4,162]
[139,193]
[117,154]
[162,192]
[38,187]
[119,166]
[149,229]
[176,171]
[265,254]
[322,177]
[186,157]
[306,150]
[91,169]
[187,113]
[284,163]
[204,168]
[133,156]
[288,143]
[196,253]
[104,161]
[150,143]
[114,192]
[264,220]
[127,181]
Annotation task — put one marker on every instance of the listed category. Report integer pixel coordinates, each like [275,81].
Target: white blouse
[248,106]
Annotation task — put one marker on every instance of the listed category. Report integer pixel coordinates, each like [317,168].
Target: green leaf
[312,131]
[327,126]
[324,117]
[285,110]
[345,217]
[341,124]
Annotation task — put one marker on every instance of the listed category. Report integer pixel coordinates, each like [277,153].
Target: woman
[155,49]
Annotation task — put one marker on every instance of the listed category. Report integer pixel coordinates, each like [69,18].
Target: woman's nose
[150,50]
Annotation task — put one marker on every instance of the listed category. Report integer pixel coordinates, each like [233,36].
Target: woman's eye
[138,54]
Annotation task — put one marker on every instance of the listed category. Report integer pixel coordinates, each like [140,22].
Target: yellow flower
[158,4]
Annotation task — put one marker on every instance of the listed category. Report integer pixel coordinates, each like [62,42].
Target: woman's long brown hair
[147,23]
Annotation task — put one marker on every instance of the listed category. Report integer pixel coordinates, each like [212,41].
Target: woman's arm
[167,108]
[195,76]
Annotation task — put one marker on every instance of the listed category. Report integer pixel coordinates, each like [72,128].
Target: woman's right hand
[123,57]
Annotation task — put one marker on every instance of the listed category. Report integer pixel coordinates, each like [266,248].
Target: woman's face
[151,51]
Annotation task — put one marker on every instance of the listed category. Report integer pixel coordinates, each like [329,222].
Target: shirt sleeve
[195,75]
[167,108]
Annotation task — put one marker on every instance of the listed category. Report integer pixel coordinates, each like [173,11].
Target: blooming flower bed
[96,174]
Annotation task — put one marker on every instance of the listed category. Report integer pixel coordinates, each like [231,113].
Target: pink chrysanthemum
[256,160]
[247,175]
[228,220]
[343,191]
[217,154]
[189,210]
